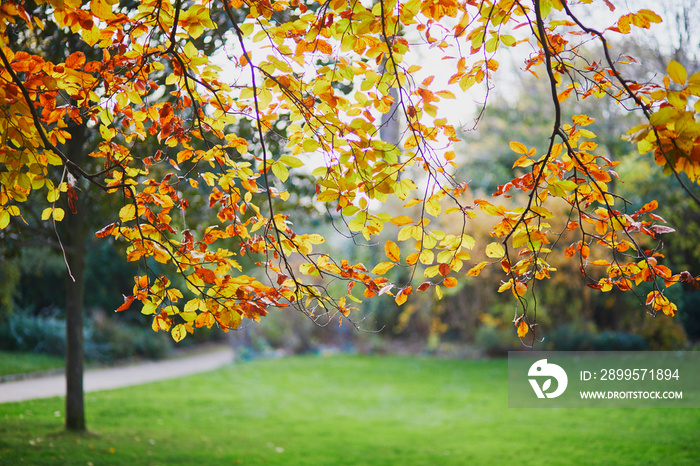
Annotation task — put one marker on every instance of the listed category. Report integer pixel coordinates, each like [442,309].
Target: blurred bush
[111,340]
[105,339]
[568,338]
[41,334]
[496,341]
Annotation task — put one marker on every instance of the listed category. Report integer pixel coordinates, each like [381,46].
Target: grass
[342,410]
[18,363]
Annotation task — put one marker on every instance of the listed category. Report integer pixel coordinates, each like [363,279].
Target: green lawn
[338,410]
[19,363]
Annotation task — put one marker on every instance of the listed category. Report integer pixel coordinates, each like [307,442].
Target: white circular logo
[543,369]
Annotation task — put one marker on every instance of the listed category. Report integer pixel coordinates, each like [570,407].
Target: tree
[165,115]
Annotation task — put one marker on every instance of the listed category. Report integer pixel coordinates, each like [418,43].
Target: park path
[116,377]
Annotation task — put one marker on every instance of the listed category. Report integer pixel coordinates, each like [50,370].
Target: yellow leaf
[128,212]
[382,268]
[518,147]
[505,286]
[58,214]
[582,120]
[392,251]
[402,295]
[315,238]
[401,220]
[426,257]
[4,219]
[293,161]
[677,72]
[495,251]
[476,270]
[179,332]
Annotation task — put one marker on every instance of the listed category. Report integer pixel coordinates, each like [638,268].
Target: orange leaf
[127,303]
[106,231]
[205,318]
[411,259]
[563,95]
[450,282]
[601,227]
[522,328]
[76,60]
[205,274]
[648,207]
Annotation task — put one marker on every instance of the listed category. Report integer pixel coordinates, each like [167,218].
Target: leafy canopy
[322,74]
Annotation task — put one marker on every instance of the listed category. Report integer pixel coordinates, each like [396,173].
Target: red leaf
[207,275]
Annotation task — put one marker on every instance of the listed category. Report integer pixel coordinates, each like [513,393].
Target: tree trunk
[75,293]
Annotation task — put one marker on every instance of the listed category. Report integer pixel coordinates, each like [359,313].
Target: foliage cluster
[168,140]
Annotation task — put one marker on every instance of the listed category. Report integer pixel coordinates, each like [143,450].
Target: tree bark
[75,294]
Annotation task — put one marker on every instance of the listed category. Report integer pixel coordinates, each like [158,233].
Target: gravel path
[116,377]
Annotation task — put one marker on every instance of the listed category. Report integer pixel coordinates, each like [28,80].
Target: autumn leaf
[382,268]
[495,251]
[127,303]
[476,270]
[76,60]
[213,183]
[179,332]
[106,231]
[677,72]
[402,220]
[522,328]
[128,212]
[392,251]
[518,147]
[450,282]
